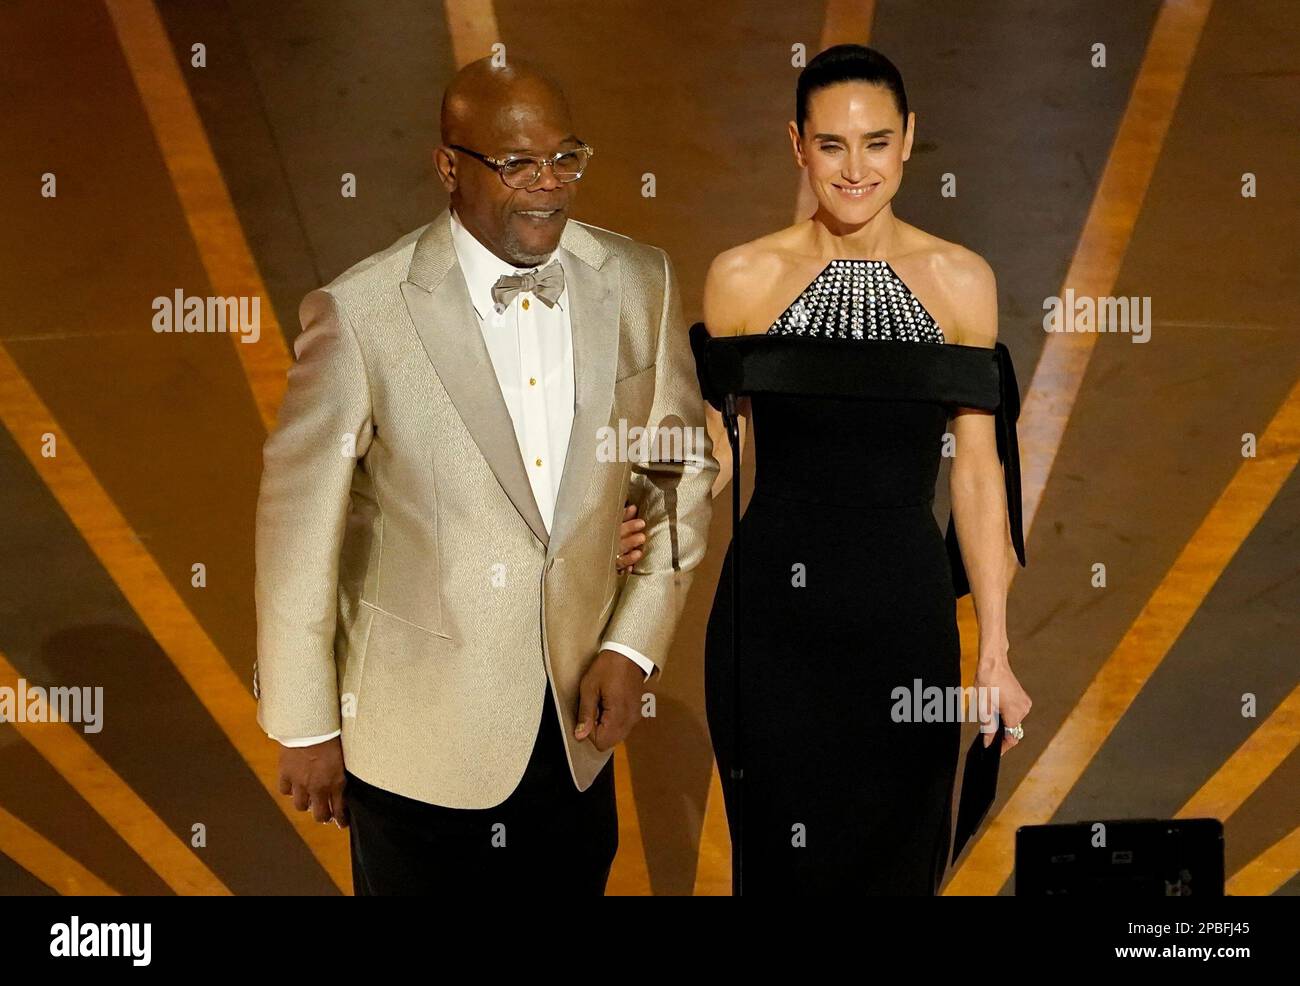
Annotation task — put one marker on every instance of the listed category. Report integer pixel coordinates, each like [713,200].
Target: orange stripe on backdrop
[161,610]
[1249,767]
[472,25]
[1241,775]
[1145,644]
[231,270]
[47,862]
[630,874]
[1105,238]
[68,753]
[713,868]
[211,215]
[1265,874]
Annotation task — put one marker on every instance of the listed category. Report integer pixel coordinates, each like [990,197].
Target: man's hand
[313,775]
[630,539]
[609,700]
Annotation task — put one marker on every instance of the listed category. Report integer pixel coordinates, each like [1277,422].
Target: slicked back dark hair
[848,63]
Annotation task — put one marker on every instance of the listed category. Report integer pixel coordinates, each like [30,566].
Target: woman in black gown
[847,588]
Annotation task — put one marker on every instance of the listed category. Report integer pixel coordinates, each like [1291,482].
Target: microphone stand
[732,423]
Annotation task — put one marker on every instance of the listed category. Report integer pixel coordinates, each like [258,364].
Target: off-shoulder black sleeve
[700,347]
[957,375]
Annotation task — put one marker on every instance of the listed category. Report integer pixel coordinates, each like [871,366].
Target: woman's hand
[630,539]
[993,677]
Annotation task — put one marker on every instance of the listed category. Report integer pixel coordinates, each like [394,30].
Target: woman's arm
[721,443]
[979,508]
[729,294]
[979,503]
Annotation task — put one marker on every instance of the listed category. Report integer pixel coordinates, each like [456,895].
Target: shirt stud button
[539,462]
[525,304]
[532,381]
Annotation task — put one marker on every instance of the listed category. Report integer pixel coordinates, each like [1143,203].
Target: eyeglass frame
[498,164]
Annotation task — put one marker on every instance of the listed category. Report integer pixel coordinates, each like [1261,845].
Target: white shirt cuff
[641,661]
[307,741]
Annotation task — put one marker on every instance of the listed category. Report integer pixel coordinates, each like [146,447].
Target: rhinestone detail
[858,299]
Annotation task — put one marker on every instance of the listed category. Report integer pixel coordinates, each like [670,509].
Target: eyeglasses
[521,172]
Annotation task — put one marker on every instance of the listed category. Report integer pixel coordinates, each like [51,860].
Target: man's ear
[444,165]
[797,144]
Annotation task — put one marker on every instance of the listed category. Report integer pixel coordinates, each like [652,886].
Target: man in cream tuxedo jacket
[445,649]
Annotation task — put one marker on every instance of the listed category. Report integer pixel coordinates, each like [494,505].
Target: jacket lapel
[592,274]
[439,305]
[444,318]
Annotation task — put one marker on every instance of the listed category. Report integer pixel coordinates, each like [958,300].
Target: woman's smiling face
[853,146]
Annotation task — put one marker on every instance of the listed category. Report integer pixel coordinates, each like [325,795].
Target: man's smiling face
[520,117]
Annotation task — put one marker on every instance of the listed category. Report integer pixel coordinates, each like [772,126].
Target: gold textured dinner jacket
[407,590]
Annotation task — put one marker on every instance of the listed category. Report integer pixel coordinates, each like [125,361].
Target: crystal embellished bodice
[858,299]
[854,422]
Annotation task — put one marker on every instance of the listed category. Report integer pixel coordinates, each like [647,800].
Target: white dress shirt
[531,348]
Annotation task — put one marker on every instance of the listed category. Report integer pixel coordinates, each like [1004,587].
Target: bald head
[482,93]
[499,111]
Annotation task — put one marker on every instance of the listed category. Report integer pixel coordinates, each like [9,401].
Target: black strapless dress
[848,588]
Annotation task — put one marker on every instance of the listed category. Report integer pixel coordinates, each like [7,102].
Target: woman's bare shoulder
[961,284]
[740,283]
[956,264]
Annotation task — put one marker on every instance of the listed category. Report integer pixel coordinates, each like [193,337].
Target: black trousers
[546,837]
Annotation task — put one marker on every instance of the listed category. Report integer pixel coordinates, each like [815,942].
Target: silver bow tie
[547,284]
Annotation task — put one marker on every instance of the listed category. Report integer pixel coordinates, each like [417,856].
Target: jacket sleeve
[323,431]
[674,495]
